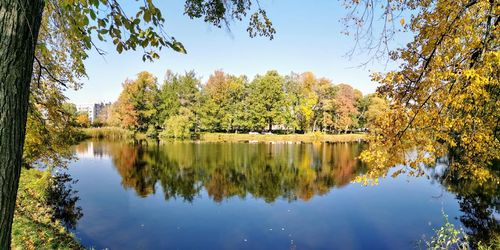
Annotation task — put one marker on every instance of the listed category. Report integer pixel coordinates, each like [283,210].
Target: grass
[297,138]
[34,227]
[111,133]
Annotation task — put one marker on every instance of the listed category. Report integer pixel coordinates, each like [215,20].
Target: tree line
[295,103]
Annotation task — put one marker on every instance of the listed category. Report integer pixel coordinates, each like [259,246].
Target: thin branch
[41,67]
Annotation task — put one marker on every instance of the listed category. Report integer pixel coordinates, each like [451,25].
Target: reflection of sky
[391,215]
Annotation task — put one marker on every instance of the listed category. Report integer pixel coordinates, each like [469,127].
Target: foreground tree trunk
[19,25]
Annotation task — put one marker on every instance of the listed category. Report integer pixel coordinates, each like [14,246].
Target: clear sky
[308,38]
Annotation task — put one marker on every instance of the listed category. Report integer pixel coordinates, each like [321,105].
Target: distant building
[93,110]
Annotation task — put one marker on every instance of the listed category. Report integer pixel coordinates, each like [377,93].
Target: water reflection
[267,171]
[287,175]
[63,200]
[480,205]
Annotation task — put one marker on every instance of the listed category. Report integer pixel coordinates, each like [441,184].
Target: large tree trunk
[19,25]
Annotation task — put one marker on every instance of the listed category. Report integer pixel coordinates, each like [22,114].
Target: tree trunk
[314,124]
[19,25]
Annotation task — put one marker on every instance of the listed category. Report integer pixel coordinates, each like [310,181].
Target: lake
[192,195]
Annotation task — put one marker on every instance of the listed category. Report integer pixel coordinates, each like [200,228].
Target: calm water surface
[187,195]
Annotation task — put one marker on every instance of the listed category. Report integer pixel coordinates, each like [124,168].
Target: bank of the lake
[114,133]
[34,225]
[296,138]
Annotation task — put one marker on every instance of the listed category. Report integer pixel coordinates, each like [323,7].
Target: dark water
[184,195]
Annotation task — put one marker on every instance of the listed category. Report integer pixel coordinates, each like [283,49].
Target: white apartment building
[93,110]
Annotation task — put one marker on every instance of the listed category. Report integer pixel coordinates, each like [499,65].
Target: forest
[182,105]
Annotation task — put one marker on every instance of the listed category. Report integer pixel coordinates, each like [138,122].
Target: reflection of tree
[62,198]
[267,171]
[479,203]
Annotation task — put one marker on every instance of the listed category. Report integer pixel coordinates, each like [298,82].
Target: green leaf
[92,14]
[177,46]
[101,23]
[119,48]
[147,16]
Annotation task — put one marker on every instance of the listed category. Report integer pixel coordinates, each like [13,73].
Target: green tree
[180,125]
[292,96]
[325,107]
[266,101]
[178,91]
[73,26]
[222,96]
[326,104]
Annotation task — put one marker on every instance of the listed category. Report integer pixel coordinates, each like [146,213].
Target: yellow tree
[82,119]
[444,97]
[308,100]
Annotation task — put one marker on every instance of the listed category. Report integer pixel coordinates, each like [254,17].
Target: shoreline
[282,138]
[114,133]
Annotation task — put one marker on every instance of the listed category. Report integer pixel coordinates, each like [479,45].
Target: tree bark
[19,24]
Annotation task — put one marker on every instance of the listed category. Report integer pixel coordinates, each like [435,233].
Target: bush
[179,126]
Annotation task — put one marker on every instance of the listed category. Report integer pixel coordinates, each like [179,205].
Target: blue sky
[308,38]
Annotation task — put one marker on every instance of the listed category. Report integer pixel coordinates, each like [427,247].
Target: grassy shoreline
[291,138]
[34,226]
[114,133]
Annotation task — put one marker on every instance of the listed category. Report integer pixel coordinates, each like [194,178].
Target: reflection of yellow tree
[128,161]
[81,148]
[226,170]
[135,173]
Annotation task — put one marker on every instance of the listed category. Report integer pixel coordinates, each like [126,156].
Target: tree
[325,107]
[266,101]
[74,26]
[444,95]
[311,100]
[179,126]
[308,100]
[222,95]
[292,95]
[345,109]
[50,127]
[176,92]
[82,119]
[377,109]
[135,108]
